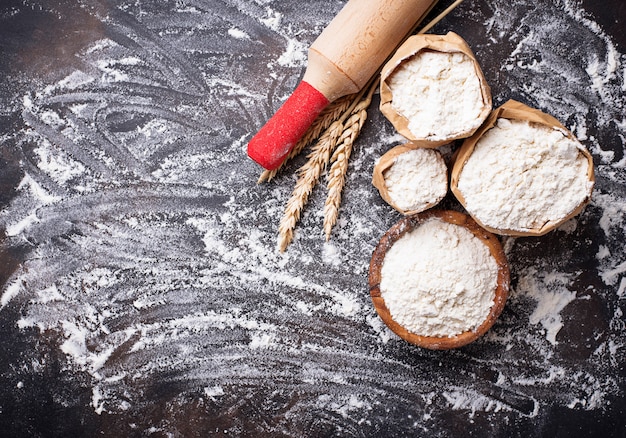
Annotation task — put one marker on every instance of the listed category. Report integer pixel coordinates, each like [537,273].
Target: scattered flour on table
[551,295]
[238,33]
[295,55]
[142,261]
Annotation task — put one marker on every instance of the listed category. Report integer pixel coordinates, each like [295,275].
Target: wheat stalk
[310,172]
[339,160]
[331,113]
[309,175]
[337,137]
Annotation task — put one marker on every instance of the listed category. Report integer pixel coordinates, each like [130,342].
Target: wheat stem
[310,172]
[309,175]
[439,17]
[340,159]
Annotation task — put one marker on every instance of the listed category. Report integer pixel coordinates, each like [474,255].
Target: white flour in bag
[417,179]
[438,93]
[522,175]
[439,280]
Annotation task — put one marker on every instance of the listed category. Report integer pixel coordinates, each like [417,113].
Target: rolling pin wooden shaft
[340,61]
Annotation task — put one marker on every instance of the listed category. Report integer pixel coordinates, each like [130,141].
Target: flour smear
[149,252]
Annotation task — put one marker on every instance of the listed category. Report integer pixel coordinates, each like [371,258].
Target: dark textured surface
[141,290]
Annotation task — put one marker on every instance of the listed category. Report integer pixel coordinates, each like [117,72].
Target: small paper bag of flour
[418,181]
[433,107]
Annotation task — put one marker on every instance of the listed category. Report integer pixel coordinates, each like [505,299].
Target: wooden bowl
[409,223]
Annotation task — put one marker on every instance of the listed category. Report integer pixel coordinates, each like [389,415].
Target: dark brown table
[141,293]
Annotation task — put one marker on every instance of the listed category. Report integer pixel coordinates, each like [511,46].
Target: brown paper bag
[378,177]
[514,110]
[449,43]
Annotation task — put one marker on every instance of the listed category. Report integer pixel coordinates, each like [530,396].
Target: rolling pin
[340,62]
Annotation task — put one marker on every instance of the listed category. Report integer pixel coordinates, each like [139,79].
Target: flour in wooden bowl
[438,280]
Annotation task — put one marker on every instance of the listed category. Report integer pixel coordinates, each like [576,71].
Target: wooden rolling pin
[340,62]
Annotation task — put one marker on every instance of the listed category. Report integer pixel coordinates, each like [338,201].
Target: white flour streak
[272,20]
[464,399]
[9,292]
[550,292]
[295,55]
[14,229]
[611,263]
[238,33]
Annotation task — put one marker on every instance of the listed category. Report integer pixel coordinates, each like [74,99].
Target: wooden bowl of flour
[438,280]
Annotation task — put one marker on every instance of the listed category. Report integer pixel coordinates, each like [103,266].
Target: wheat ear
[339,160]
[320,155]
[309,175]
[331,113]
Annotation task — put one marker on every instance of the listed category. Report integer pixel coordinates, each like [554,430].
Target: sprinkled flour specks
[550,292]
[141,281]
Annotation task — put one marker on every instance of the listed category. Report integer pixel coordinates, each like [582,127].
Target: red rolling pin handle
[340,62]
[271,145]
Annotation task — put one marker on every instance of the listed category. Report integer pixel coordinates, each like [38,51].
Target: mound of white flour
[438,93]
[417,180]
[439,280]
[522,175]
